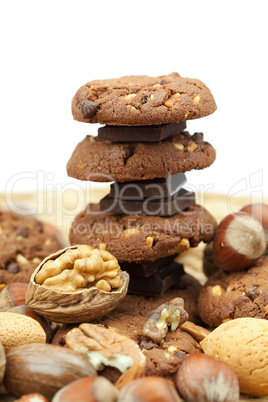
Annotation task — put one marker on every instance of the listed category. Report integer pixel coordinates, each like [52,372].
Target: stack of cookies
[144,150]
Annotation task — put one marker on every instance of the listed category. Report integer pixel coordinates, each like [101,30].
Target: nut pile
[223,362]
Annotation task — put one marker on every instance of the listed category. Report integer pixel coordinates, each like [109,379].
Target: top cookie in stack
[145,150]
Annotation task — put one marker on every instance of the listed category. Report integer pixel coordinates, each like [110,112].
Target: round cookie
[104,161]
[142,100]
[25,242]
[239,294]
[140,237]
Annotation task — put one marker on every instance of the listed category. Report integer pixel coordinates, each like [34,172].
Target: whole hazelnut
[239,242]
[32,398]
[149,389]
[203,378]
[259,211]
[13,295]
[95,388]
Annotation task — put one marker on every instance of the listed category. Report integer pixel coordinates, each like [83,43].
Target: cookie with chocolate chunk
[143,238]
[106,161]
[227,296]
[142,100]
[24,243]
[187,288]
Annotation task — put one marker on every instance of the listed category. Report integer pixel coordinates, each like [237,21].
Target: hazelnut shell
[149,389]
[259,211]
[12,295]
[83,305]
[95,388]
[237,243]
[203,378]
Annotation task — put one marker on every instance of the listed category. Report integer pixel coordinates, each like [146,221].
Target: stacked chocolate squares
[144,150]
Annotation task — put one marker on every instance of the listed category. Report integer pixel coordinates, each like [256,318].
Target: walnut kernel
[80,268]
[170,314]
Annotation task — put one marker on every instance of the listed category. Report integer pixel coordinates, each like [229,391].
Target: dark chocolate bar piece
[158,188]
[146,268]
[157,283]
[140,133]
[168,206]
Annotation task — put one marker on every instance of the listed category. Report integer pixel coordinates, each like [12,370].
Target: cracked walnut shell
[76,284]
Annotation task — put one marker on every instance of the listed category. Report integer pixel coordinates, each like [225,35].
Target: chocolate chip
[181,355]
[163,82]
[22,231]
[147,344]
[198,138]
[144,100]
[252,292]
[13,267]
[88,108]
[128,151]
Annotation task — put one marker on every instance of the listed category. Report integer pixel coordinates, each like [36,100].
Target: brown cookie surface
[140,237]
[233,295]
[188,289]
[165,360]
[104,161]
[24,243]
[162,360]
[142,100]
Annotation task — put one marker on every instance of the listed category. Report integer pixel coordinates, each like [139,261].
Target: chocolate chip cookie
[24,243]
[140,237]
[233,295]
[104,161]
[142,100]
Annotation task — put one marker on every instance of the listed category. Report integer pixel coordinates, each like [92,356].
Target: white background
[50,48]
